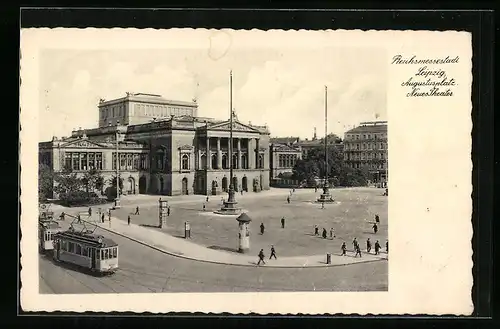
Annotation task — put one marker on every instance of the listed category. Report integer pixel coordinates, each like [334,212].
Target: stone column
[209,157]
[257,153]
[219,154]
[251,154]
[239,154]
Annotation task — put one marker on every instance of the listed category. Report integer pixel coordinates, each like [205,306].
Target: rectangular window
[114,252]
[71,247]
[123,161]
[85,251]
[136,161]
[113,166]
[83,161]
[78,249]
[106,253]
[97,254]
[76,161]
[129,161]
[91,160]
[98,161]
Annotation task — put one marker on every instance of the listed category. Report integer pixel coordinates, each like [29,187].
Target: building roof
[89,238]
[286,148]
[284,140]
[244,218]
[146,98]
[373,128]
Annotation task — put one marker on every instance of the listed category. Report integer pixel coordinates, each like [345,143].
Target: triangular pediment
[83,143]
[237,126]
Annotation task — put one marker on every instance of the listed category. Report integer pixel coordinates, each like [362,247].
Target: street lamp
[118,137]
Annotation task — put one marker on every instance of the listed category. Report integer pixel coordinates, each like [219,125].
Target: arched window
[244,162]
[224,162]
[261,161]
[214,162]
[185,162]
[160,157]
[281,161]
[235,161]
[203,161]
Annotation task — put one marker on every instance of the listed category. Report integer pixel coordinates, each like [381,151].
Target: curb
[224,263]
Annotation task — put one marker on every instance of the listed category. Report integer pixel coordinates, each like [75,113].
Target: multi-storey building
[308,144]
[366,146]
[285,152]
[164,148]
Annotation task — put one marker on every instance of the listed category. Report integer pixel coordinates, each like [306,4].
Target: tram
[87,250]
[46,231]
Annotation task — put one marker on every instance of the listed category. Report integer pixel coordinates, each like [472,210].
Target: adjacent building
[308,144]
[365,146]
[285,152]
[164,148]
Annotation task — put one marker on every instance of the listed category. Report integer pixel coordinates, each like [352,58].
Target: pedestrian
[355,243]
[377,219]
[128,220]
[137,210]
[375,228]
[387,246]
[358,252]
[187,229]
[377,248]
[288,199]
[368,245]
[262,228]
[62,215]
[261,257]
[322,205]
[332,233]
[293,190]
[207,198]
[79,219]
[90,212]
[168,211]
[241,192]
[110,220]
[316,230]
[344,248]
[282,222]
[324,233]
[273,253]
[102,218]
[315,189]
[203,207]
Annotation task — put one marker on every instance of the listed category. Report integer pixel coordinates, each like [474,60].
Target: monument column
[239,154]
[209,156]
[219,154]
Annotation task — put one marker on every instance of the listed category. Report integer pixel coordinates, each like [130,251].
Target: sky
[283,88]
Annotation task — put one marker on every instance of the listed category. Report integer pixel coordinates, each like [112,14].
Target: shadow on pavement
[149,225]
[223,248]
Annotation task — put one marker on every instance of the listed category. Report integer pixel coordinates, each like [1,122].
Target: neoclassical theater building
[164,148]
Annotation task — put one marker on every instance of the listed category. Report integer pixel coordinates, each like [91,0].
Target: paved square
[352,215]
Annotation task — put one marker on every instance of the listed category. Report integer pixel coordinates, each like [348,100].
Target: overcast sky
[283,88]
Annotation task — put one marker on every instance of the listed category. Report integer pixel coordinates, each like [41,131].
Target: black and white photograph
[232,162]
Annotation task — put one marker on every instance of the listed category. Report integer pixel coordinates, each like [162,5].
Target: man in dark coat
[377,219]
[128,220]
[273,253]
[368,245]
[261,257]
[262,228]
[137,210]
[324,233]
[377,248]
[344,248]
[282,222]
[355,243]
[375,228]
[387,246]
[316,230]
[102,218]
[358,251]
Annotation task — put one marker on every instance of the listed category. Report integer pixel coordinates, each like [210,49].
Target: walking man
[203,207]
[62,215]
[344,249]
[90,212]
[316,230]
[168,211]
[262,228]
[377,248]
[322,205]
[261,257]
[288,199]
[355,243]
[358,252]
[368,245]
[332,233]
[137,210]
[128,220]
[375,228]
[207,198]
[282,222]
[79,219]
[102,218]
[324,233]
[377,219]
[273,253]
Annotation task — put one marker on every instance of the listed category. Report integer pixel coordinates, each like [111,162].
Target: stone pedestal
[325,197]
[230,206]
[243,233]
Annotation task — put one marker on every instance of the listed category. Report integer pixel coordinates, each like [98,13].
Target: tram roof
[50,224]
[91,239]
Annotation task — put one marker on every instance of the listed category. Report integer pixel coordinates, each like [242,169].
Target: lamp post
[326,197]
[117,138]
[229,207]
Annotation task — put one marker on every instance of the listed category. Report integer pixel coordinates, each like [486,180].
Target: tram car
[86,250]
[46,231]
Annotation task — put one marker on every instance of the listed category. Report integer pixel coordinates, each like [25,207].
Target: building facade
[285,152]
[165,149]
[307,145]
[365,146]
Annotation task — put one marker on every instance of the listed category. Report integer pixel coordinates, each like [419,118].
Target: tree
[92,180]
[45,182]
[111,191]
[67,185]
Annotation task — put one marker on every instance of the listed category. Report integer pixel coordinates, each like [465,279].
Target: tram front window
[114,252]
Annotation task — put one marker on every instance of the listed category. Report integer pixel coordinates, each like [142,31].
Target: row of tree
[339,173]
[72,188]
